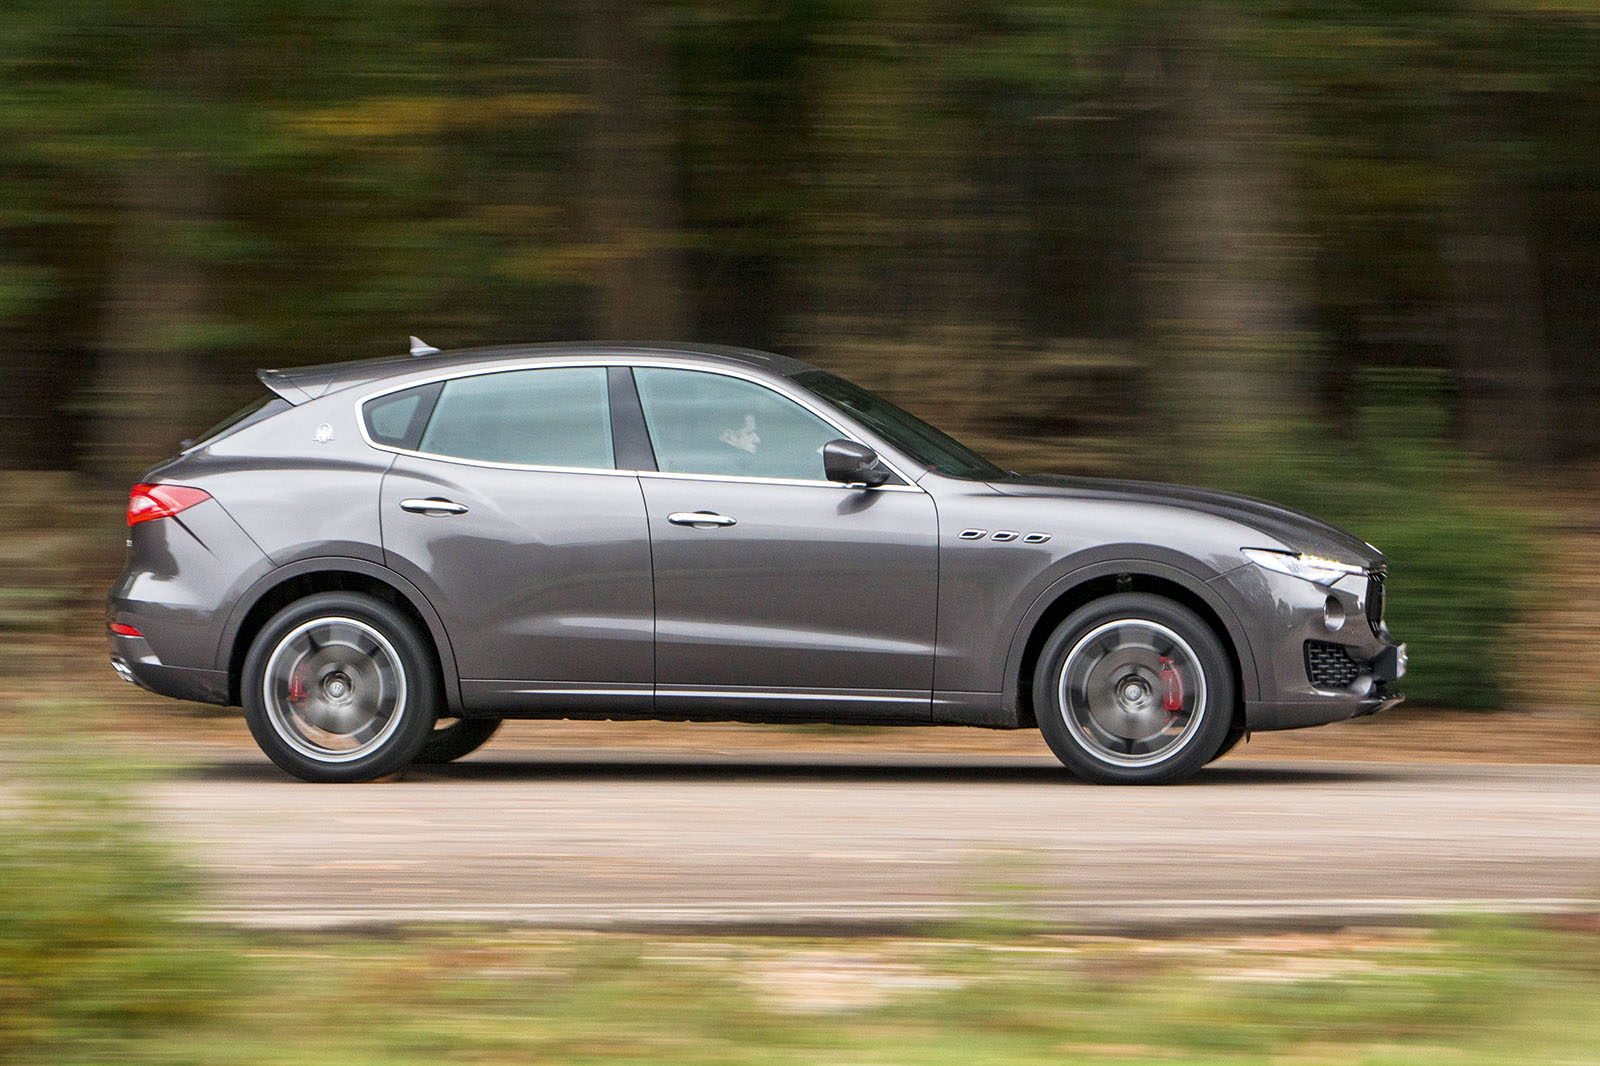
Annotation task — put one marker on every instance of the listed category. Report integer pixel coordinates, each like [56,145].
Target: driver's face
[745,438]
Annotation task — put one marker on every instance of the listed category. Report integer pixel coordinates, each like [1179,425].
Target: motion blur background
[1338,254]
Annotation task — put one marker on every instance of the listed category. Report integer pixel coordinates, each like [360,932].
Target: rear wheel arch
[311,576]
[1093,583]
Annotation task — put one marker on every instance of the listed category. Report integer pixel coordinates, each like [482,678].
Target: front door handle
[699,519]
[433,506]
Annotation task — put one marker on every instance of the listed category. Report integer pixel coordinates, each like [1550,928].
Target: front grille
[1329,665]
[1375,594]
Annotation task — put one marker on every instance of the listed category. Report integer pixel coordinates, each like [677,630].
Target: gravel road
[638,838]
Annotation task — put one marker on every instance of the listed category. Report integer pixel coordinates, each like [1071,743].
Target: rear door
[508,511]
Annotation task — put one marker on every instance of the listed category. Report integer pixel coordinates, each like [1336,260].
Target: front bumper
[1323,653]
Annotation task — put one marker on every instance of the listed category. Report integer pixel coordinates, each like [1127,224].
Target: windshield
[934,449]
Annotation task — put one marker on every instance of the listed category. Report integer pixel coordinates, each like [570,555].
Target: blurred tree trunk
[39,374]
[1220,297]
[629,186]
[1502,362]
[147,382]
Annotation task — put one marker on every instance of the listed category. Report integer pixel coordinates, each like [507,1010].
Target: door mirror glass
[850,463]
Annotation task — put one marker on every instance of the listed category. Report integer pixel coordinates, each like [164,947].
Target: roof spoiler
[301,383]
[282,382]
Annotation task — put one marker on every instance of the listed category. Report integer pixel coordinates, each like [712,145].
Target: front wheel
[1134,689]
[340,687]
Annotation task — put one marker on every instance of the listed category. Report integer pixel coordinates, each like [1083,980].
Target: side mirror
[852,464]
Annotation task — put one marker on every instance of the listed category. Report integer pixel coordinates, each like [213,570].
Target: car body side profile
[382,560]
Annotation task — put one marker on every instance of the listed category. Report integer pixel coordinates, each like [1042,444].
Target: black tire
[340,687]
[454,737]
[1231,741]
[1127,658]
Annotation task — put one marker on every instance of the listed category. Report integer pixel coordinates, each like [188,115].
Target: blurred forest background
[1340,254]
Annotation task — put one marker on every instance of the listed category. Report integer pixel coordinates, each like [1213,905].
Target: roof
[301,383]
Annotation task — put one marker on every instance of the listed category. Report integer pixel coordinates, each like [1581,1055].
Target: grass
[1491,993]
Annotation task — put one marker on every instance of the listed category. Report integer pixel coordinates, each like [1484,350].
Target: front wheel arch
[1121,578]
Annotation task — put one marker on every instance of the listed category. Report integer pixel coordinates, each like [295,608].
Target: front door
[777,591]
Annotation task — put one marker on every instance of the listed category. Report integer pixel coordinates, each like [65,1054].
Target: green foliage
[192,191]
[1458,557]
[96,961]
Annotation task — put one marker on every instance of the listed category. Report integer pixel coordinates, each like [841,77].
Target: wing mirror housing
[850,463]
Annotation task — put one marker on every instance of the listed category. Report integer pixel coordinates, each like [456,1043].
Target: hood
[1291,528]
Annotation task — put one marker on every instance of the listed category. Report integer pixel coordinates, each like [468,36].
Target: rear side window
[398,418]
[555,417]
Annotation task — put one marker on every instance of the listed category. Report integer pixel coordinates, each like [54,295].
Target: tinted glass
[704,423]
[933,448]
[397,419]
[555,417]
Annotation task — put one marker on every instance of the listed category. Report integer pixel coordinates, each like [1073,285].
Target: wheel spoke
[1112,692]
[350,685]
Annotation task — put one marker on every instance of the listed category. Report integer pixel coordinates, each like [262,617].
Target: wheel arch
[1092,582]
[306,577]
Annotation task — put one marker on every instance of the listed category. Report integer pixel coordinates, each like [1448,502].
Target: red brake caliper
[1171,686]
[297,688]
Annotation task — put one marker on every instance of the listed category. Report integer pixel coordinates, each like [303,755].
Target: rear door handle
[699,519]
[434,506]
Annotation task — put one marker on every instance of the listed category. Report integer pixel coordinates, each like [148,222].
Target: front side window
[555,417]
[703,423]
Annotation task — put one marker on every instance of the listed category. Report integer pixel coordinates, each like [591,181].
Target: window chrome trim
[814,407]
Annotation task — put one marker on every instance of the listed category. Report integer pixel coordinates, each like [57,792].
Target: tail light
[161,501]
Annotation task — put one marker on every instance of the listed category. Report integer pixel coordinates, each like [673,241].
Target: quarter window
[702,423]
[397,419]
[555,417]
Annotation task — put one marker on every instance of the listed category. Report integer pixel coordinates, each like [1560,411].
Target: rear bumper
[183,576]
[135,662]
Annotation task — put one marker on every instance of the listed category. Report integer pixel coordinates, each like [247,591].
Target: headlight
[1309,567]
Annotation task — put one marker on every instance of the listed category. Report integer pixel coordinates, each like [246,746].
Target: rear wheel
[340,687]
[454,737]
[1133,689]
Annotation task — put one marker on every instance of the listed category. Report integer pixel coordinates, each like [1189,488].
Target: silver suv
[381,560]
